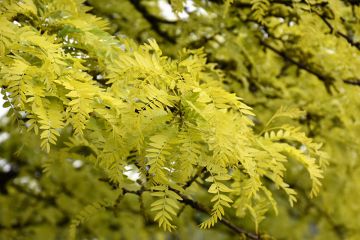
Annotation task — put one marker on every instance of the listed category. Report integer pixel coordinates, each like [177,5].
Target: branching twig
[338,33]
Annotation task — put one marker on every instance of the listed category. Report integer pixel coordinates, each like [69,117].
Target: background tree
[109,139]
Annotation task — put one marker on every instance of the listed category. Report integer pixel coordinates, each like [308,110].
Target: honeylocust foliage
[129,131]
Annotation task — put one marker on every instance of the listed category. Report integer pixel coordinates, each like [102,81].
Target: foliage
[162,131]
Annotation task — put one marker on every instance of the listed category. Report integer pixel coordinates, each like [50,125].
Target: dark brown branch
[188,183]
[153,21]
[352,81]
[137,192]
[328,80]
[350,40]
[197,206]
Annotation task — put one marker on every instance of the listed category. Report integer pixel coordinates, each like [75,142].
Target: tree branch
[188,183]
[328,80]
[349,39]
[153,21]
[352,81]
[197,206]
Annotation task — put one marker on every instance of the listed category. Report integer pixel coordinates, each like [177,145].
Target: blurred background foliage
[299,53]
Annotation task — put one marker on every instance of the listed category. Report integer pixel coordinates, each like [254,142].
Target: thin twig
[350,40]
